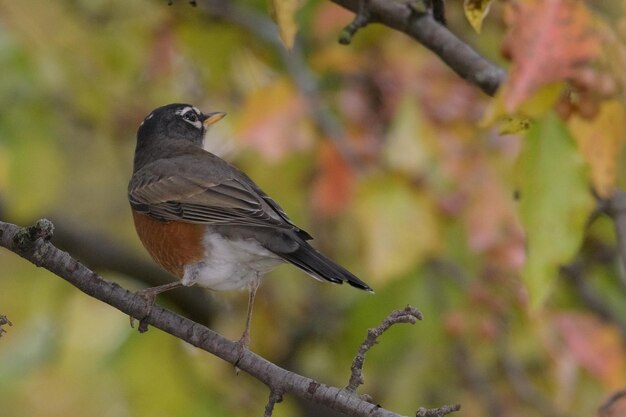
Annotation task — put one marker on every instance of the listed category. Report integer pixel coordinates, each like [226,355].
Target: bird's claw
[150,298]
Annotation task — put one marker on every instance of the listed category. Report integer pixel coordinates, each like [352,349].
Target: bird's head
[166,128]
[176,122]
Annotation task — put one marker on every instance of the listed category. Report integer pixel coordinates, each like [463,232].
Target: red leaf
[596,346]
[550,41]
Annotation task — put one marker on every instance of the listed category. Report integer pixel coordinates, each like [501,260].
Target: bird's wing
[231,201]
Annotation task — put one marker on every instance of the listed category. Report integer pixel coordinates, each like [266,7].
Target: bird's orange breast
[172,244]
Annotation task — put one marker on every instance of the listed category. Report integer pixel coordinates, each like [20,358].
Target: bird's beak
[211,118]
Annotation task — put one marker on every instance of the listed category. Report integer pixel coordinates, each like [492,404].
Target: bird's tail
[320,267]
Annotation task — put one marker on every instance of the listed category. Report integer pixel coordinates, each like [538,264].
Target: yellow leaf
[514,124]
[536,106]
[600,141]
[284,14]
[407,147]
[476,11]
[399,225]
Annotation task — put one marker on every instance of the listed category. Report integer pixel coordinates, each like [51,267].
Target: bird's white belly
[229,264]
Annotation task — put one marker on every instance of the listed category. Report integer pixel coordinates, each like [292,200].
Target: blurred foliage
[437,208]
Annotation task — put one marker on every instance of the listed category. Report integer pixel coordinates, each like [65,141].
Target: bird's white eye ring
[190,116]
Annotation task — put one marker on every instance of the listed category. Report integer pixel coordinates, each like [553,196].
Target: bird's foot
[149,295]
[241,347]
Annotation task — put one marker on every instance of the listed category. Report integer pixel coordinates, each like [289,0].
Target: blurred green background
[394,179]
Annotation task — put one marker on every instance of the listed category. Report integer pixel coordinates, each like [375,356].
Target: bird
[205,221]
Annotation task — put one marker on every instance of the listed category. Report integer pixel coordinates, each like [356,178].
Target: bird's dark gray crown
[173,122]
[176,120]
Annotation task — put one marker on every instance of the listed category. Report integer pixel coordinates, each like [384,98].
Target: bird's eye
[190,117]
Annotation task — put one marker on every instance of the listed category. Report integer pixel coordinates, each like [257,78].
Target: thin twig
[408,315]
[437,412]
[439,11]
[276,396]
[3,321]
[361,20]
[614,405]
[615,207]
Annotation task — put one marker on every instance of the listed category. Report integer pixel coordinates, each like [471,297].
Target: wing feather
[231,201]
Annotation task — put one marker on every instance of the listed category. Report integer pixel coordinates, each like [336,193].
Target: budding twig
[408,315]
[276,396]
[4,320]
[437,412]
[361,20]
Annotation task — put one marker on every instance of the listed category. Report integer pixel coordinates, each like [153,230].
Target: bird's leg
[253,286]
[150,294]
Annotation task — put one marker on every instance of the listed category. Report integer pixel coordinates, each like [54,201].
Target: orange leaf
[273,121]
[550,41]
[334,186]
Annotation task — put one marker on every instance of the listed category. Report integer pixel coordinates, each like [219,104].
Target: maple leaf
[549,41]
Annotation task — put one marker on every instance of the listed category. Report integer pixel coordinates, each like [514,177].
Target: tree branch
[458,55]
[408,315]
[33,244]
[615,207]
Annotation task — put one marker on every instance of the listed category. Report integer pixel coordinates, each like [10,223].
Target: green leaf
[284,14]
[555,203]
[476,11]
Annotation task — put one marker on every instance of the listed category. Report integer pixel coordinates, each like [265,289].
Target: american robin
[204,220]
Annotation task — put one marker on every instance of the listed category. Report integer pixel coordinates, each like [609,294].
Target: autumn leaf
[333,187]
[549,41]
[476,11]
[514,124]
[399,226]
[600,141]
[408,148]
[554,204]
[594,345]
[536,105]
[274,121]
[284,14]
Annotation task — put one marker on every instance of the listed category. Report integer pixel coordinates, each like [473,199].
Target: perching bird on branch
[205,221]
